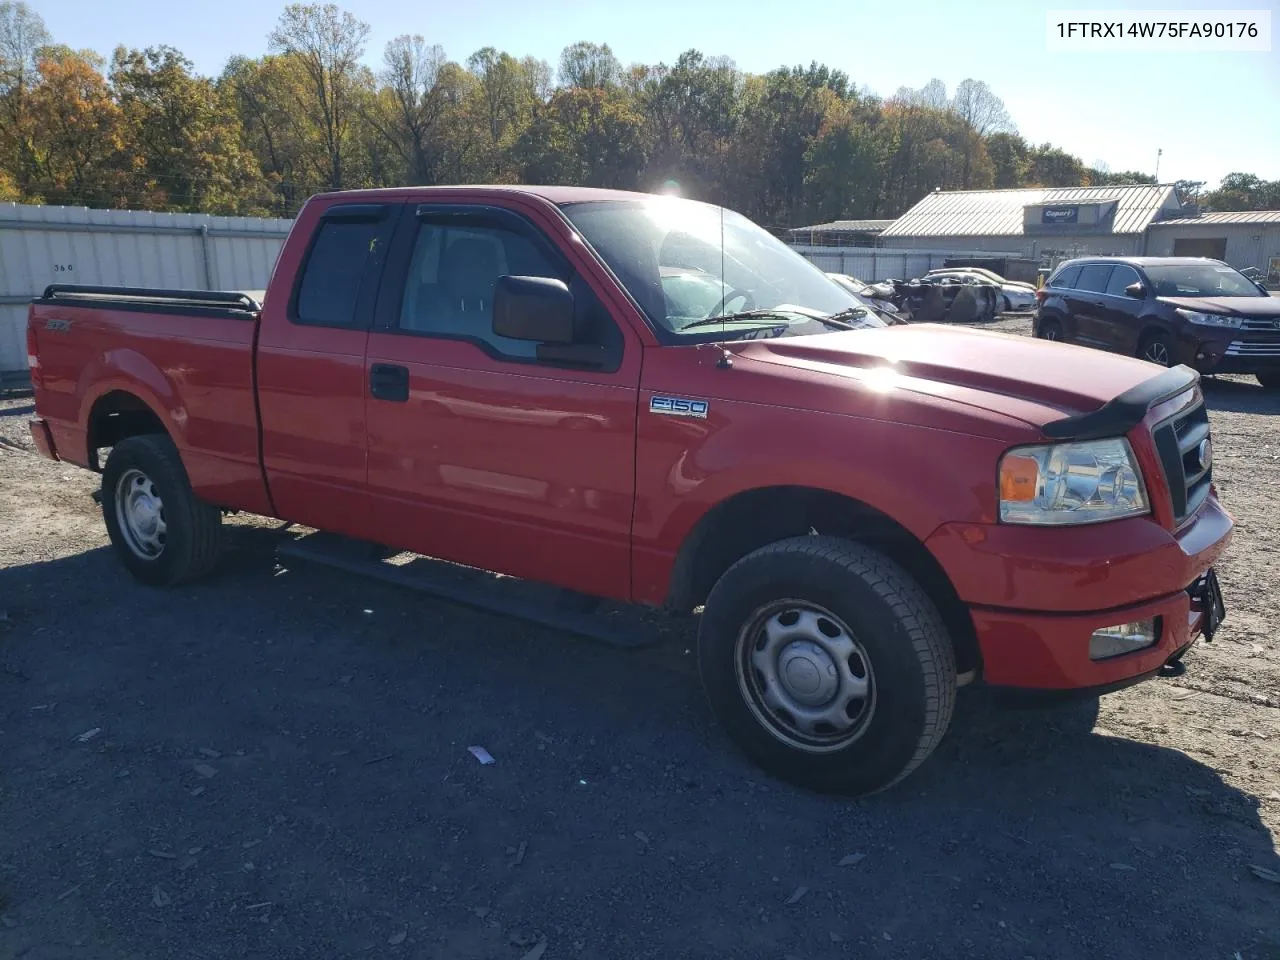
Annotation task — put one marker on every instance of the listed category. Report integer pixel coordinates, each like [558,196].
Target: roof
[994,213]
[553,193]
[1140,261]
[1227,216]
[845,226]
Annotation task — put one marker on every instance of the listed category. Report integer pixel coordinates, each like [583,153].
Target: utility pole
[1159,152]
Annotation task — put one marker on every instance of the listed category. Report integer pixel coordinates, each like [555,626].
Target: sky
[1210,113]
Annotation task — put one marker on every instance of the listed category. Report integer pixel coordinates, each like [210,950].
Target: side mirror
[533,308]
[1135,290]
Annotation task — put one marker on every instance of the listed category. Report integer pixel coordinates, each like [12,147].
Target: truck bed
[187,354]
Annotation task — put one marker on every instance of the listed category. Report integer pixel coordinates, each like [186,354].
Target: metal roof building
[1242,239]
[1041,222]
[840,233]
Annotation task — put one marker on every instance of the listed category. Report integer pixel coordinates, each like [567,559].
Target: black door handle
[389,381]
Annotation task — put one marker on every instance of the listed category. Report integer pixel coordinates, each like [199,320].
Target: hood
[1014,377]
[1238,306]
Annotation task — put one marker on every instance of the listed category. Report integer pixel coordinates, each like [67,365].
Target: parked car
[1014,296]
[493,377]
[955,299]
[1166,310]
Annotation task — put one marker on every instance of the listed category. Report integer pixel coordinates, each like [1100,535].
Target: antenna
[722,281]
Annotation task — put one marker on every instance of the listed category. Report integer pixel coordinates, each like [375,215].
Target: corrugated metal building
[1247,239]
[839,233]
[1038,222]
[44,245]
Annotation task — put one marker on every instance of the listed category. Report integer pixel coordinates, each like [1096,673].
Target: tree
[590,66]
[78,142]
[588,136]
[976,104]
[22,35]
[1009,159]
[187,139]
[507,90]
[1188,191]
[1244,191]
[328,44]
[414,103]
[1049,166]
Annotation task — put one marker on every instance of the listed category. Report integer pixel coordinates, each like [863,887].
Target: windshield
[1200,280]
[685,262]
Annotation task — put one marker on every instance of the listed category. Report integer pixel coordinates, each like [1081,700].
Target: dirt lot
[274,764]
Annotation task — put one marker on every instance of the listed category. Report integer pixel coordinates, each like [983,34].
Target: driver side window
[453,273]
[452,276]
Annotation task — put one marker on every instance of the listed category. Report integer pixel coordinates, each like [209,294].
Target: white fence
[44,245]
[884,263]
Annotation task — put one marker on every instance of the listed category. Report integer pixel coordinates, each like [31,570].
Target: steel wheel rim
[140,514]
[804,676]
[1156,352]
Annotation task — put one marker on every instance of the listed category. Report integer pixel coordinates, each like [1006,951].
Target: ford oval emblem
[1205,453]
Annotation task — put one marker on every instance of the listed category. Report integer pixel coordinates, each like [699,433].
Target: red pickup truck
[652,400]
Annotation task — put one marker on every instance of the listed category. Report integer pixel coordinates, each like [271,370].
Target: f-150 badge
[679,407]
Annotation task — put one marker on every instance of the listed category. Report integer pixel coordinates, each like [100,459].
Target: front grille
[1178,442]
[1253,348]
[1261,325]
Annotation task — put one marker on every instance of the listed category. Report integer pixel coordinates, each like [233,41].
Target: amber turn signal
[1018,478]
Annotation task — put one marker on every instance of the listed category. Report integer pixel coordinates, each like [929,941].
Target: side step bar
[548,607]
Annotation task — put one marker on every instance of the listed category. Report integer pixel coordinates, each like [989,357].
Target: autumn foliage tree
[793,145]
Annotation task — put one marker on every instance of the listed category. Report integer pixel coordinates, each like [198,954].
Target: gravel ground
[274,764]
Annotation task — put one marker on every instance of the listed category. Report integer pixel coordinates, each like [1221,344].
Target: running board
[549,607]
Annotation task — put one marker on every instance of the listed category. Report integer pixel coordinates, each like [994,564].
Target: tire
[1005,305]
[163,534]
[1154,347]
[1269,381]
[880,625]
[1051,329]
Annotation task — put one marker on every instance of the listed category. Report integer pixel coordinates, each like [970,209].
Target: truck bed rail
[225,303]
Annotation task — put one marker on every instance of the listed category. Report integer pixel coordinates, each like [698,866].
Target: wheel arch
[755,518]
[117,414]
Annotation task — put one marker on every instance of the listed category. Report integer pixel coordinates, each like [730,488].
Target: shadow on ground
[274,764]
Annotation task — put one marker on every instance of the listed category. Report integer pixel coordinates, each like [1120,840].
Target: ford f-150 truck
[651,400]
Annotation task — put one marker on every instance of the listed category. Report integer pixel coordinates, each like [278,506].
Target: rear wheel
[1156,348]
[1270,381]
[161,531]
[1050,329]
[827,664]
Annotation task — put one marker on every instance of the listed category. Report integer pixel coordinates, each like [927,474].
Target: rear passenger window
[1094,277]
[331,278]
[1121,277]
[1066,279]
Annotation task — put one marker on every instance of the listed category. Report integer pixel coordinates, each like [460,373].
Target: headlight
[1209,319]
[1069,483]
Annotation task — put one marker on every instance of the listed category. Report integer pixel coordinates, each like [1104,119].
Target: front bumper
[1036,595]
[1241,352]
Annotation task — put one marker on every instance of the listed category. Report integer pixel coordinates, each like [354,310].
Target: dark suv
[1166,310]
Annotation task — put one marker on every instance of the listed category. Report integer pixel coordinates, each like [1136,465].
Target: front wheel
[1156,349]
[162,532]
[827,664]
[1051,329]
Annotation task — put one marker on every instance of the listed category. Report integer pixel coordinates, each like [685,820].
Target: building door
[1215,248]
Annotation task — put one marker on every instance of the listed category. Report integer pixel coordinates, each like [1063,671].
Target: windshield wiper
[835,321]
[841,318]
